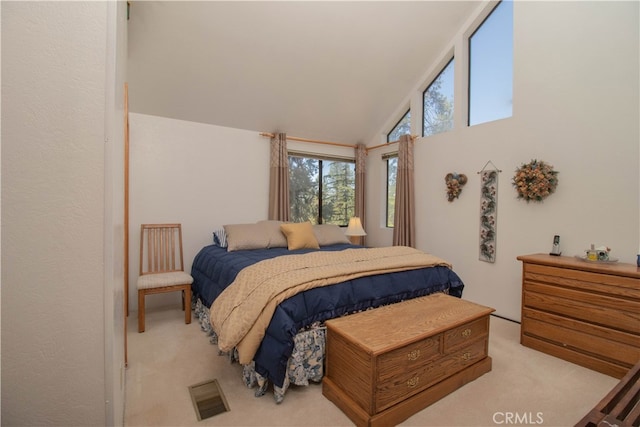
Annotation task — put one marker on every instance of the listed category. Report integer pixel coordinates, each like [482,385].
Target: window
[403,127]
[321,189]
[437,103]
[491,67]
[392,173]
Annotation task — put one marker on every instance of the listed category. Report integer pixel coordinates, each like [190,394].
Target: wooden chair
[161,266]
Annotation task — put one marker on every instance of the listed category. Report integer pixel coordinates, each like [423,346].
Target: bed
[289,347]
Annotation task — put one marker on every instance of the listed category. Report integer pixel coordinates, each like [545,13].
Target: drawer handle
[466,355]
[413,382]
[466,333]
[413,355]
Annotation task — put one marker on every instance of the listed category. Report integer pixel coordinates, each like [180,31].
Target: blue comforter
[214,269]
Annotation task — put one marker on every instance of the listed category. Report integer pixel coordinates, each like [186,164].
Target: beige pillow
[329,234]
[246,236]
[274,235]
[300,236]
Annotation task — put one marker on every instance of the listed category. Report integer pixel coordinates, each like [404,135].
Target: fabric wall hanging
[488,212]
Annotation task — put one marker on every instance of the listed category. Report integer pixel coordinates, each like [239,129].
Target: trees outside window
[437,103]
[403,127]
[392,174]
[321,190]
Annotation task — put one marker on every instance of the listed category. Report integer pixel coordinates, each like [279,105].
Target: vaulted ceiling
[329,70]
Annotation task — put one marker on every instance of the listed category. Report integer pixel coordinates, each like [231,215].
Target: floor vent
[208,399]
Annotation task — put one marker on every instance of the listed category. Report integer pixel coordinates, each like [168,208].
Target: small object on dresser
[638,261]
[599,254]
[555,249]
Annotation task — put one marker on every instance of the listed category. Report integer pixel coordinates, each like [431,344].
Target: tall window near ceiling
[491,66]
[437,103]
[403,127]
[321,189]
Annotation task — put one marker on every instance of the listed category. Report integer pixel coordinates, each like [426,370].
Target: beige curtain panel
[404,232]
[361,161]
[279,179]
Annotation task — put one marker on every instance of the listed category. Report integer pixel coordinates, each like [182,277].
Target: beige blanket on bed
[242,312]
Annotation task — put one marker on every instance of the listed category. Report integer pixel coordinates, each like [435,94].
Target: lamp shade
[355,227]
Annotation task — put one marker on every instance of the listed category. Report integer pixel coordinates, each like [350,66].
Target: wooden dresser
[584,312]
[384,365]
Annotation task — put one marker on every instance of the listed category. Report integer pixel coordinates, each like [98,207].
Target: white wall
[199,175]
[575,106]
[62,321]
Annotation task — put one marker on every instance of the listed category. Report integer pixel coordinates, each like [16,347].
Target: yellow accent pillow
[300,235]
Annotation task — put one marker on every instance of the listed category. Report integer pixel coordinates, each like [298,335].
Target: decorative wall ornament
[455,182]
[534,181]
[488,212]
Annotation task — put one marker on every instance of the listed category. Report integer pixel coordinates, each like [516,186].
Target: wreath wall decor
[535,181]
[455,182]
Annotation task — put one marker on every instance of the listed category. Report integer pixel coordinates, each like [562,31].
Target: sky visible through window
[438,103]
[402,128]
[491,67]
[446,77]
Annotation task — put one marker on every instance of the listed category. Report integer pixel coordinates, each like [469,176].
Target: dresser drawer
[403,384]
[466,333]
[579,337]
[605,284]
[620,314]
[408,357]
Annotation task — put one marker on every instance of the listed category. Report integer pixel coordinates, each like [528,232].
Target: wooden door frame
[126,216]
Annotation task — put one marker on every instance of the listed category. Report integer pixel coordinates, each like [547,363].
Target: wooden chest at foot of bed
[386,364]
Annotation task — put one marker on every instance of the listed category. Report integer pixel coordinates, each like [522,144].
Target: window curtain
[361,158]
[404,232]
[279,179]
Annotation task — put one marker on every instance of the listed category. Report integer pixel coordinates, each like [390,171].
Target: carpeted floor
[525,385]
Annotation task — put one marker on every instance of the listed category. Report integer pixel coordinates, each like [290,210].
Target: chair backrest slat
[160,248]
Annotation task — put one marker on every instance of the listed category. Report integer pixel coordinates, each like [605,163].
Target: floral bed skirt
[306,363]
